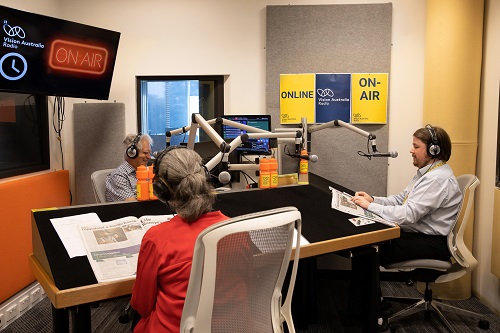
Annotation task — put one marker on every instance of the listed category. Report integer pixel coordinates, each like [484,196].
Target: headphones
[433,148]
[132,151]
[161,188]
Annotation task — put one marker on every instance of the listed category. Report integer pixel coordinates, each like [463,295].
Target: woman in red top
[166,250]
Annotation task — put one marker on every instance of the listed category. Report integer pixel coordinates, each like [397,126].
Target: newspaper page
[147,221]
[342,201]
[113,247]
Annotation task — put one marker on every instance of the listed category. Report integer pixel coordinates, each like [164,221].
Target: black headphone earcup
[132,151]
[434,150]
[161,191]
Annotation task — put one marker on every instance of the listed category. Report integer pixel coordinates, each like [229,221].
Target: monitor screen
[251,146]
[49,56]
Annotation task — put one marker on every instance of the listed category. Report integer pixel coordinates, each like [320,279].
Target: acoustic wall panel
[99,132]
[332,39]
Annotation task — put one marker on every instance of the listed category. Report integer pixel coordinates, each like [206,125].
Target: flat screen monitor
[49,56]
[251,146]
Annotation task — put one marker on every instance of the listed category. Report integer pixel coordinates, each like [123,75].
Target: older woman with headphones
[164,263]
[426,209]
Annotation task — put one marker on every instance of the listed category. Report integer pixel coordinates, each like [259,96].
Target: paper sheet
[68,232]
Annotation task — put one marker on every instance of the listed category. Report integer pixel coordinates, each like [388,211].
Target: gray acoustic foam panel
[332,39]
[98,144]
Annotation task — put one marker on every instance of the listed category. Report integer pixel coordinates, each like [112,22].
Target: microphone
[224,177]
[312,158]
[392,154]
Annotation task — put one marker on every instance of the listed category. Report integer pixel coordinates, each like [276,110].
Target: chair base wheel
[484,324]
[124,318]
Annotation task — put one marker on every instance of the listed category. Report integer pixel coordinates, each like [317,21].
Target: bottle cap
[141,172]
[264,164]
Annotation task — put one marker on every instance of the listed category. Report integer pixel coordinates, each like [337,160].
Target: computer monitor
[251,146]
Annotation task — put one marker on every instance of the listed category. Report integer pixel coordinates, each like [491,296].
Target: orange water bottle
[303,164]
[265,176]
[273,172]
[142,183]
[151,175]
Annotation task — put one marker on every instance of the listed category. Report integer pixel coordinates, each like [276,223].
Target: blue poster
[333,97]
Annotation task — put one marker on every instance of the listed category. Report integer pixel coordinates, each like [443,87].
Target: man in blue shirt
[121,183]
[426,210]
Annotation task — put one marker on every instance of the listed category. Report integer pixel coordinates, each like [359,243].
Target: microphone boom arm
[339,123]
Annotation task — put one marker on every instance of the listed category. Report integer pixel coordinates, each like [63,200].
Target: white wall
[168,37]
[228,37]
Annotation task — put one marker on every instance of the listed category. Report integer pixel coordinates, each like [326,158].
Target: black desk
[70,282]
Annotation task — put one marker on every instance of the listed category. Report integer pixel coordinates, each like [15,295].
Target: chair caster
[484,324]
[124,318]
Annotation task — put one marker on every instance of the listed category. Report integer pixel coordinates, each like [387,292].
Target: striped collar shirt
[428,205]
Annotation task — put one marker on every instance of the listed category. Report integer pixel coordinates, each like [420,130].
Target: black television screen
[251,146]
[49,56]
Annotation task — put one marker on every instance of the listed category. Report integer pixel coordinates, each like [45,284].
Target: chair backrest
[98,179]
[460,252]
[238,271]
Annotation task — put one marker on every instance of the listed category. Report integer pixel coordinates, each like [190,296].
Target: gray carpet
[330,314]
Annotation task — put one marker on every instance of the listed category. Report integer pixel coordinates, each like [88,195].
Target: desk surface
[70,281]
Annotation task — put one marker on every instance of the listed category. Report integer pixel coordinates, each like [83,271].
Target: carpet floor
[330,316]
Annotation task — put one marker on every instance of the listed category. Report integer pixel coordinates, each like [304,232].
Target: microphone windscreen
[224,177]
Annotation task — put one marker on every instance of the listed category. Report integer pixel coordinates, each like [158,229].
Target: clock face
[13,66]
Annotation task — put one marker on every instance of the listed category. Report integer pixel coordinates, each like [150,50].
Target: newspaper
[342,201]
[113,247]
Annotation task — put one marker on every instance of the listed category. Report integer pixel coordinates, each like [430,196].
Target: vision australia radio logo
[15,37]
[13,65]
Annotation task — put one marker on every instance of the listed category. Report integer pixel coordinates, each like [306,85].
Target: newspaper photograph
[113,247]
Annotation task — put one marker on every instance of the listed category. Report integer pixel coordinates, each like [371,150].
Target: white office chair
[437,271]
[98,179]
[232,292]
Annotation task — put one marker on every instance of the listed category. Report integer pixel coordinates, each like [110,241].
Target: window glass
[166,103]
[24,136]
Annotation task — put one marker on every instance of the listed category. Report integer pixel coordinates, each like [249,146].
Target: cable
[58,118]
[367,154]
[248,176]
[361,153]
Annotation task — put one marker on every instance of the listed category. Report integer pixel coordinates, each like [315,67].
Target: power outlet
[11,313]
[35,295]
[24,303]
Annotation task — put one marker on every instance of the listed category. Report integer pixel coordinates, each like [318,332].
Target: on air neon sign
[77,57]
